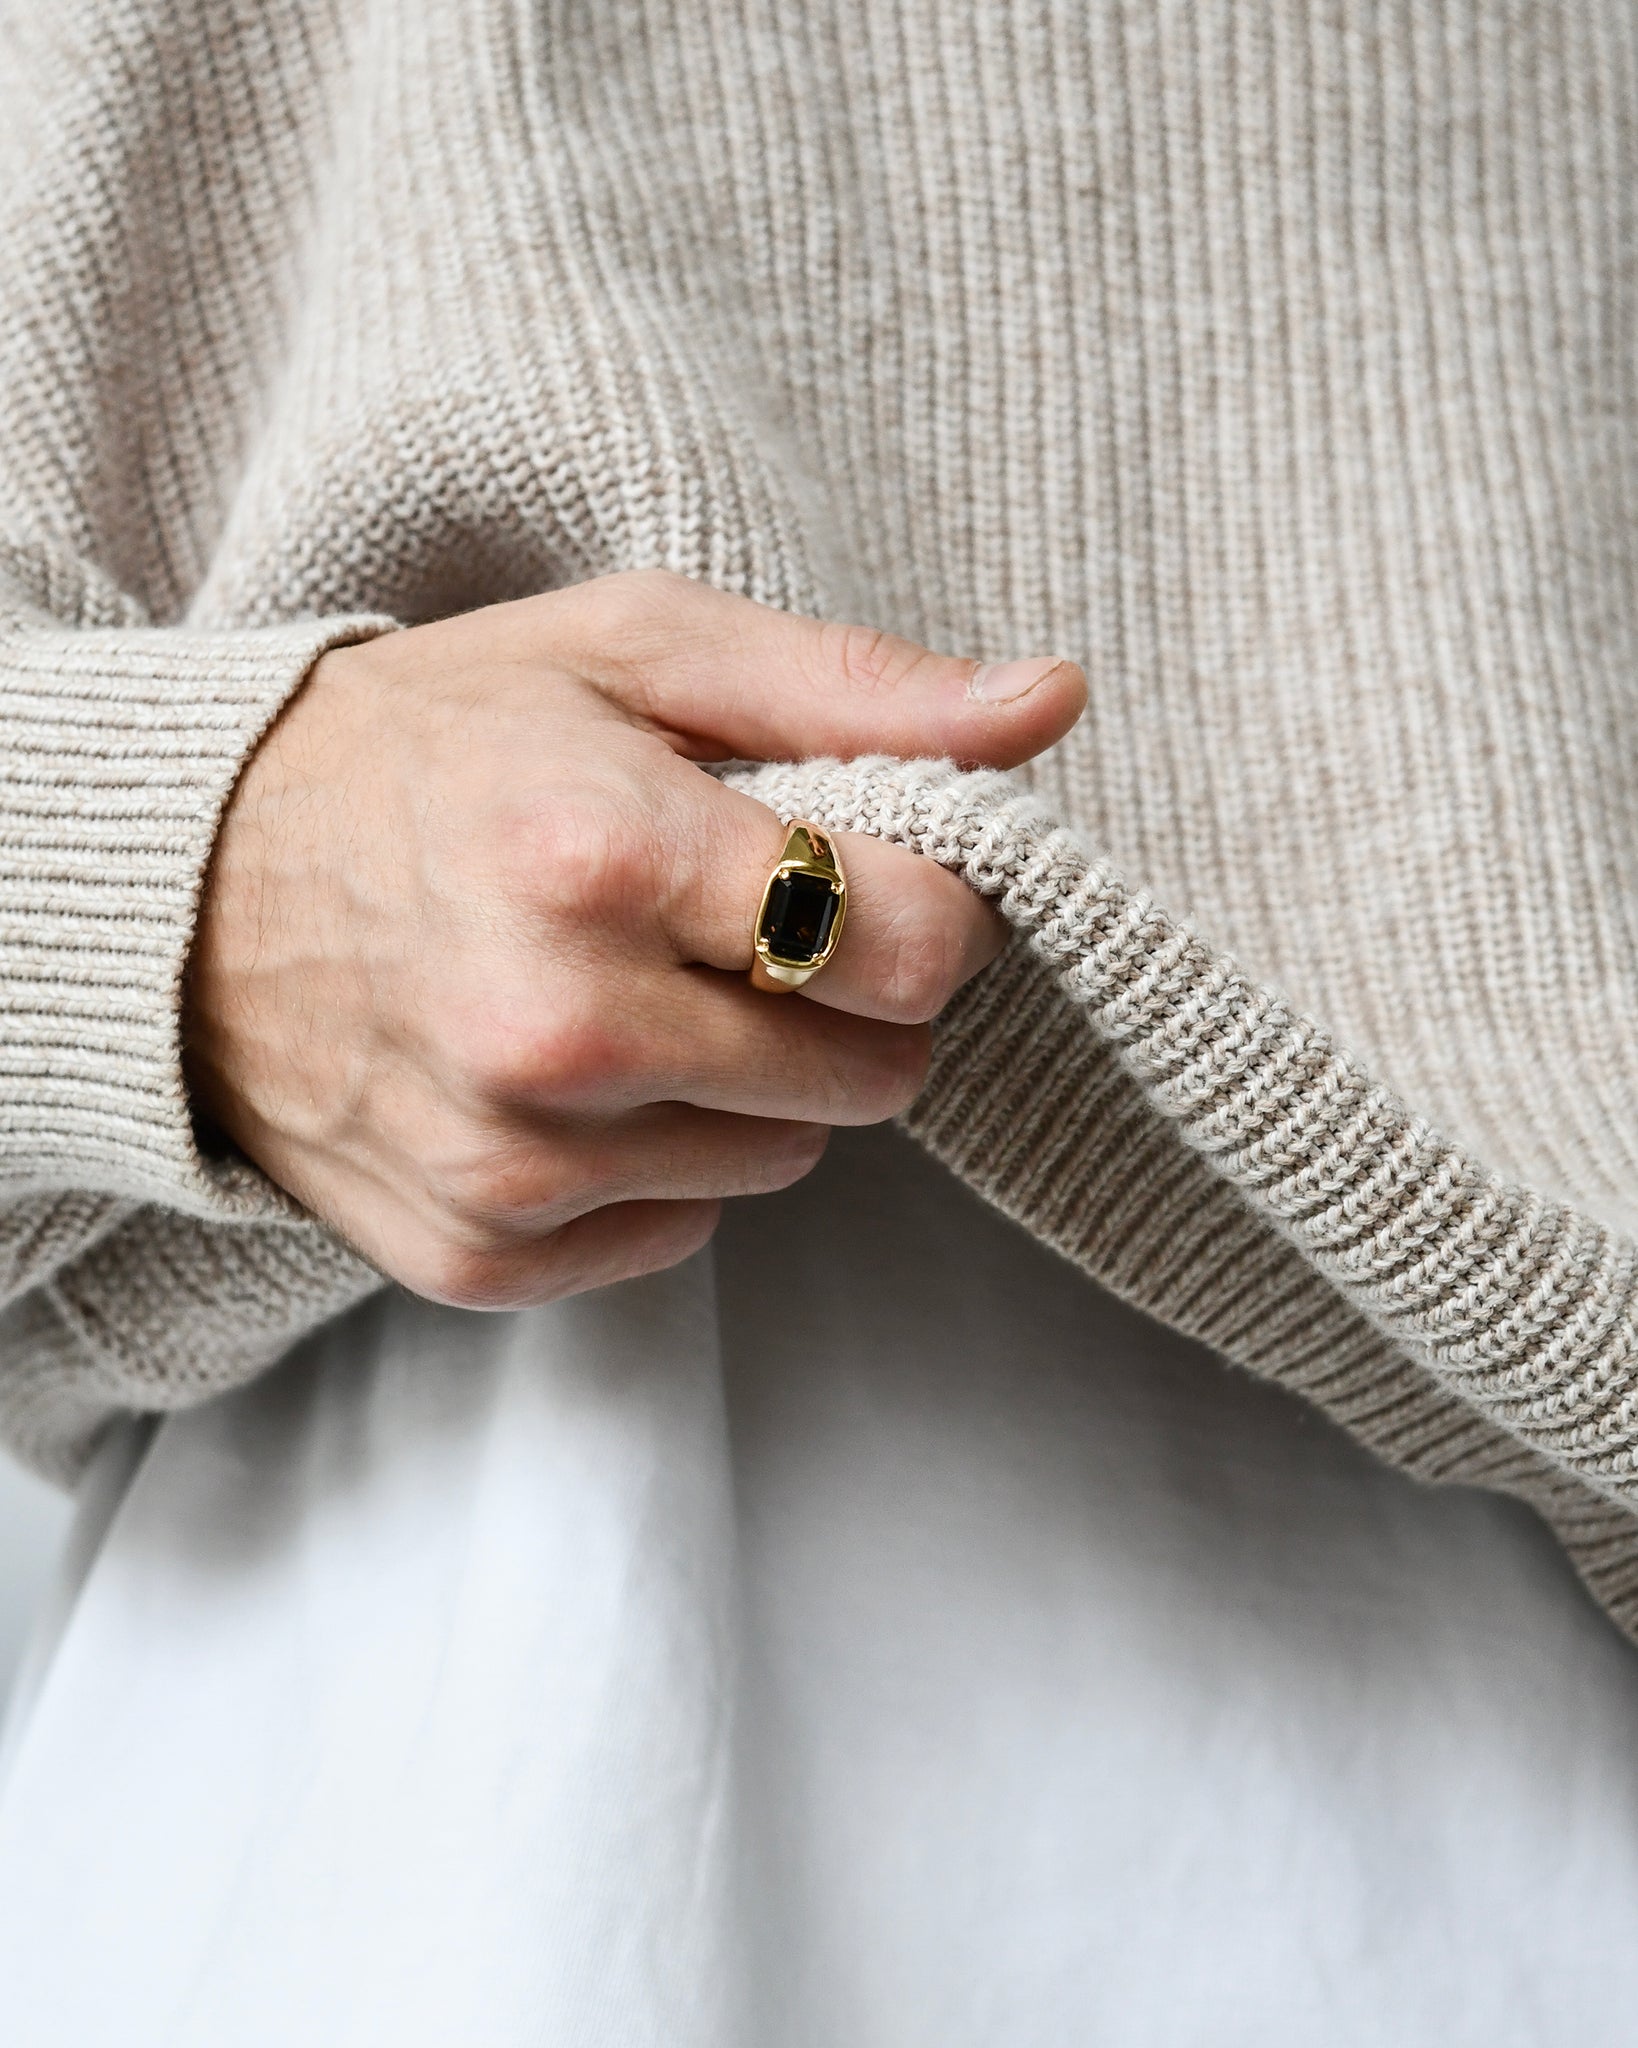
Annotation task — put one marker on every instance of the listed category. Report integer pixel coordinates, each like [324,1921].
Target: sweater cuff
[118,752]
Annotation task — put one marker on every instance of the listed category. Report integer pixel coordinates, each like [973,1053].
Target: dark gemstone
[800,916]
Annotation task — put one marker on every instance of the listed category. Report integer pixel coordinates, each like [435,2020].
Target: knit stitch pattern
[1488,1335]
[1278,371]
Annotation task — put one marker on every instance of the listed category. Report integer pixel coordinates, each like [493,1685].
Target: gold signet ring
[800,917]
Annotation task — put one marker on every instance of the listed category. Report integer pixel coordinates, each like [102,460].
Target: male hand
[470,973]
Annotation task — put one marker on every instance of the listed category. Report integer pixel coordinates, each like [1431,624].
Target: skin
[470,973]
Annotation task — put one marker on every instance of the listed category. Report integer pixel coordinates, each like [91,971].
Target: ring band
[799,919]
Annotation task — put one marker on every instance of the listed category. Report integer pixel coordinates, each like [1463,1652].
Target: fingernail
[998,682]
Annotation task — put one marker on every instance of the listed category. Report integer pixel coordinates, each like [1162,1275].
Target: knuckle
[794,1158]
[674,1232]
[627,1241]
[870,658]
[574,1053]
[638,594]
[866,655]
[635,614]
[886,1075]
[927,963]
[507,1183]
[465,1275]
[577,856]
[498,1060]
[907,1066]
[580,1054]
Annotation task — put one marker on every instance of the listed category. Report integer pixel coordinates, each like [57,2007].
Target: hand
[469,977]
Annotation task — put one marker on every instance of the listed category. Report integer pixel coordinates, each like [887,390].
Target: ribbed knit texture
[1274,361]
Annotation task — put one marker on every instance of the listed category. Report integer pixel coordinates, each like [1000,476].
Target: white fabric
[868,1636]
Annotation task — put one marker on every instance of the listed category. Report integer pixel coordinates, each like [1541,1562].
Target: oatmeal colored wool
[1281,371]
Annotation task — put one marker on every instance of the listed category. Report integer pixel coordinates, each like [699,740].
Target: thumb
[724,676]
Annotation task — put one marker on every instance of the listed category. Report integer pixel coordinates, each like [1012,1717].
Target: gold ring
[800,917]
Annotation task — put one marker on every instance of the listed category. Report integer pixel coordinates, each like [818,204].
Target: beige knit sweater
[1278,361]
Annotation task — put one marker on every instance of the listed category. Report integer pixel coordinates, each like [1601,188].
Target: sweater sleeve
[140,343]
[118,749]
[140,340]
[135,1271]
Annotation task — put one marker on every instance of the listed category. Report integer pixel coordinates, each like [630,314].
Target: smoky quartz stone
[799,918]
